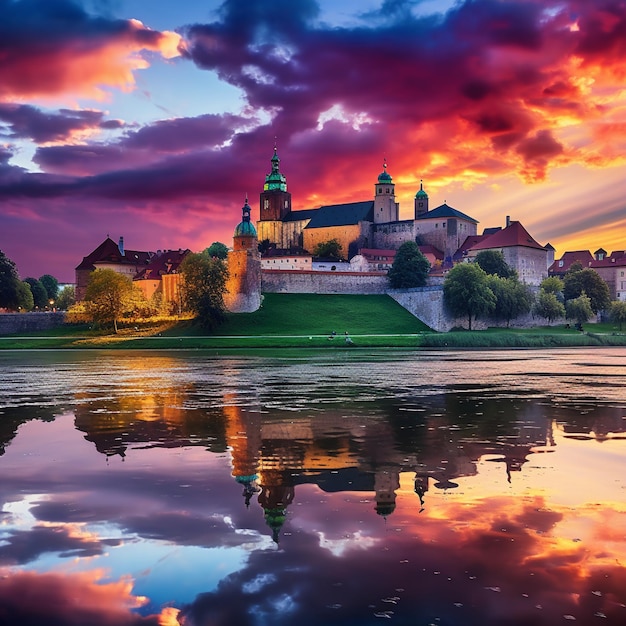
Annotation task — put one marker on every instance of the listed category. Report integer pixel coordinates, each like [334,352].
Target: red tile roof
[165,263]
[108,252]
[560,266]
[513,235]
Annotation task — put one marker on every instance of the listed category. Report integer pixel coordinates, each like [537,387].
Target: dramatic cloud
[25,121]
[472,101]
[53,47]
[31,599]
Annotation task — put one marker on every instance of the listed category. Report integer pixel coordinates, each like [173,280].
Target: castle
[366,224]
[369,232]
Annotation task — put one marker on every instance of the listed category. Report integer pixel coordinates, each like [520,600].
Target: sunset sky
[153,120]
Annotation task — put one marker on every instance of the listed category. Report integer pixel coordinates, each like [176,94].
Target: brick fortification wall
[288,281]
[12,323]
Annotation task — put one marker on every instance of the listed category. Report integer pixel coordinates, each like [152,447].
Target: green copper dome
[421,193]
[245,228]
[275,180]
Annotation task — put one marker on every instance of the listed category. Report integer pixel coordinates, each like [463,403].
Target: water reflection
[178,488]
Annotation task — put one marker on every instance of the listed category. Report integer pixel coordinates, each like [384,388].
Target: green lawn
[296,321]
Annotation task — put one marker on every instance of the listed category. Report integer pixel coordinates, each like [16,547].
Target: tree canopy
[218,250]
[579,309]
[410,267]
[108,296]
[548,305]
[330,249]
[65,298]
[466,292]
[492,262]
[204,284]
[589,282]
[512,298]
[552,284]
[51,285]
[9,284]
[40,295]
[618,312]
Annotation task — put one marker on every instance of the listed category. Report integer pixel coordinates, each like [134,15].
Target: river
[474,488]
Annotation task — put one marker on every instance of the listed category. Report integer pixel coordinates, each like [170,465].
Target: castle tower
[275,199]
[386,208]
[243,286]
[421,201]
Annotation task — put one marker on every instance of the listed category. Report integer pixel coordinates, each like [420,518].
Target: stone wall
[12,323]
[285,281]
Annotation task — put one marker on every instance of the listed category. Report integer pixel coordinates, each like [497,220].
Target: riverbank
[304,321]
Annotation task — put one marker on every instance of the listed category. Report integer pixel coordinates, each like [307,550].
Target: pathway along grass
[298,321]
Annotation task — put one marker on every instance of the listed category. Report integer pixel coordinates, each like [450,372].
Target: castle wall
[284,281]
[13,323]
[351,237]
[531,263]
[392,236]
[445,234]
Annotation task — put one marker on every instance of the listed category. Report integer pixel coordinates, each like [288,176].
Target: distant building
[521,252]
[110,255]
[562,265]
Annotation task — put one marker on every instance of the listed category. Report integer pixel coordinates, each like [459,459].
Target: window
[380,190]
[266,204]
[387,190]
[421,204]
[286,204]
[561,263]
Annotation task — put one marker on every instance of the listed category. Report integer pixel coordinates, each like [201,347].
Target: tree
[330,249]
[25,300]
[65,298]
[579,309]
[512,298]
[218,250]
[466,292]
[618,312]
[548,305]
[9,284]
[590,283]
[108,296]
[410,267]
[51,285]
[552,284]
[204,284]
[40,295]
[492,262]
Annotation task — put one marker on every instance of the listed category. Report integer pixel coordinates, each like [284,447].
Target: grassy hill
[300,321]
[311,314]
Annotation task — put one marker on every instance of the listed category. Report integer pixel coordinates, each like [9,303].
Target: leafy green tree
[51,285]
[589,282]
[330,249]
[410,267]
[9,284]
[579,309]
[40,295]
[466,292]
[65,298]
[25,300]
[548,305]
[218,250]
[204,285]
[553,284]
[512,298]
[576,266]
[618,312]
[492,262]
[108,296]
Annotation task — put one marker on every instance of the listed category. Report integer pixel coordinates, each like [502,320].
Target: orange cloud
[30,598]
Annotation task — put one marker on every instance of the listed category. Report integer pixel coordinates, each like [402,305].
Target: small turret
[421,201]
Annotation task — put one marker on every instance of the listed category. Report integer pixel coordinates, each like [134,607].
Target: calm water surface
[473,488]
